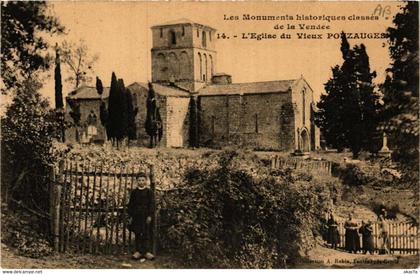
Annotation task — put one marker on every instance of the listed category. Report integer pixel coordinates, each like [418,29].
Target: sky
[119,32]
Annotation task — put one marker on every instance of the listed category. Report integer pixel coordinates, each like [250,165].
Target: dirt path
[9,259]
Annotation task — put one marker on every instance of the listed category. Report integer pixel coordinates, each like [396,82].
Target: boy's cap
[141,174]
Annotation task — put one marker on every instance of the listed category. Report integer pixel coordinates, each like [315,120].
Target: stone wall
[177,123]
[261,121]
[302,102]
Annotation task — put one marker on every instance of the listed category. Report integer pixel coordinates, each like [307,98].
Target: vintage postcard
[209,135]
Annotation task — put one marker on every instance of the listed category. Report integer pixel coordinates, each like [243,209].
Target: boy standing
[140,211]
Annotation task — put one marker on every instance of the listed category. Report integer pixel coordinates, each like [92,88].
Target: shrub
[28,130]
[391,209]
[19,231]
[363,174]
[237,214]
[352,175]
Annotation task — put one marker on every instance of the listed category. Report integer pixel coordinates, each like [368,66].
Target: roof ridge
[269,81]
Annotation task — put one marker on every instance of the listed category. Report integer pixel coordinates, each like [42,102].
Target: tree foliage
[99,86]
[153,124]
[239,215]
[401,88]
[78,61]
[28,130]
[23,49]
[57,80]
[119,117]
[59,106]
[131,116]
[348,112]
[76,115]
[103,115]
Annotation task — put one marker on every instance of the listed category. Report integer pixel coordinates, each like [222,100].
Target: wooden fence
[88,207]
[314,167]
[403,237]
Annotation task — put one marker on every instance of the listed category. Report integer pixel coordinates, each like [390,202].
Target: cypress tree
[131,115]
[348,114]
[57,79]
[99,86]
[329,118]
[123,114]
[75,115]
[103,115]
[113,109]
[59,95]
[153,124]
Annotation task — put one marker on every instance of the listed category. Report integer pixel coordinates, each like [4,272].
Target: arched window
[303,107]
[211,66]
[185,67]
[173,65]
[162,67]
[92,119]
[204,70]
[201,66]
[203,39]
[172,37]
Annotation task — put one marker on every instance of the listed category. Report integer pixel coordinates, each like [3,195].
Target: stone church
[270,115]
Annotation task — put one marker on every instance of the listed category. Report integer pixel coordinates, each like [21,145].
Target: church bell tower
[183,53]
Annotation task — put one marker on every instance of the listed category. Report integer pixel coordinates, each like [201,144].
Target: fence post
[55,195]
[154,218]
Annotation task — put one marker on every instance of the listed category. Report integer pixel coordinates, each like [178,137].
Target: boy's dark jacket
[139,208]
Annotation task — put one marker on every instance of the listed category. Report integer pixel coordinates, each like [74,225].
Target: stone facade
[272,115]
[257,119]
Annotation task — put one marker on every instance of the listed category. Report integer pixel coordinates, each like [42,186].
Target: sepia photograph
[209,135]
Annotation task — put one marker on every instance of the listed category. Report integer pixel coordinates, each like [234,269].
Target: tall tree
[76,115]
[104,116]
[23,48]
[131,115]
[153,124]
[103,111]
[78,61]
[59,106]
[122,130]
[328,117]
[401,89]
[57,80]
[113,109]
[99,86]
[348,112]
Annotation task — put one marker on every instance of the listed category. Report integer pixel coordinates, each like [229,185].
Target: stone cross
[385,151]
[384,143]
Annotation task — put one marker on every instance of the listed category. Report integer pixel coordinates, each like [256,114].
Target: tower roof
[181,21]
